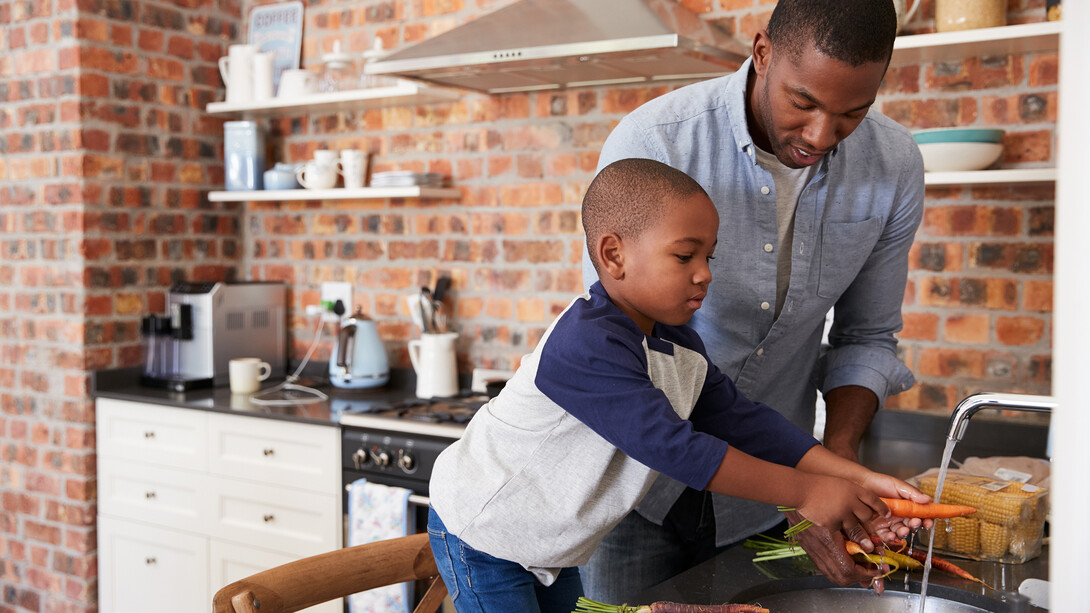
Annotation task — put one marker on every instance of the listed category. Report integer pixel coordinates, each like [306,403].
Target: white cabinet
[190,501]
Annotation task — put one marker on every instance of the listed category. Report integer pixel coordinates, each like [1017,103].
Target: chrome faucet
[1015,402]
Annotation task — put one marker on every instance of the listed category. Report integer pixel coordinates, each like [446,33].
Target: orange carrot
[930,510]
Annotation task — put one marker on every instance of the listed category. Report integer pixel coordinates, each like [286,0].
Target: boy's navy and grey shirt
[579,434]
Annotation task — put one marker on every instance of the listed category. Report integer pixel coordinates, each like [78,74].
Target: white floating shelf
[405,93]
[365,193]
[1004,40]
[980,177]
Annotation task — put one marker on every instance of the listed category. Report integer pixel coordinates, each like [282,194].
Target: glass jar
[339,71]
[953,15]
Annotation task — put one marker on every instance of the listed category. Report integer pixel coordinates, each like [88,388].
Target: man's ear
[762,52]
[611,255]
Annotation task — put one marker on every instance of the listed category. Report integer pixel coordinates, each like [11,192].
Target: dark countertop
[124,384]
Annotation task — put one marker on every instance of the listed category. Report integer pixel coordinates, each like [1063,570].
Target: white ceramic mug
[436,365]
[246,374]
[353,165]
[296,83]
[237,71]
[263,75]
[316,175]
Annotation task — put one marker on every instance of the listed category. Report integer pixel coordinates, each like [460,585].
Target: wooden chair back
[336,574]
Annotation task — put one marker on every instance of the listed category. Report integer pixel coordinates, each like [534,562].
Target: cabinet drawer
[152,434]
[144,568]
[285,453]
[163,496]
[294,522]
[231,562]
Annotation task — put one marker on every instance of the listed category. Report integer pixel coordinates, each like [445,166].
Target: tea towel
[375,513]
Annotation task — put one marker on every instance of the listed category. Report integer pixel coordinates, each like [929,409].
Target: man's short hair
[630,195]
[855,32]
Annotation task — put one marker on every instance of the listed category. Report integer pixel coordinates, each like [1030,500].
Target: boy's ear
[611,255]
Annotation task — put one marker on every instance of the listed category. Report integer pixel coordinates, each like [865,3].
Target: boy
[616,392]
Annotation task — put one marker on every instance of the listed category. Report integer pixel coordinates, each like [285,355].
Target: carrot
[586,605]
[930,510]
[936,562]
[853,548]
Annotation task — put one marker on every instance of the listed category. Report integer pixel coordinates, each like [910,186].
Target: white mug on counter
[246,374]
[436,365]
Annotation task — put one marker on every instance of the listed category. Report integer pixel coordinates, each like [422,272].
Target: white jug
[435,364]
[904,17]
[237,70]
[263,75]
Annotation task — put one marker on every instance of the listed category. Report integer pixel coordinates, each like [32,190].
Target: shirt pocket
[845,247]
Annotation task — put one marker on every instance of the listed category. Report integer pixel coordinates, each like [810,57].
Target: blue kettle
[360,357]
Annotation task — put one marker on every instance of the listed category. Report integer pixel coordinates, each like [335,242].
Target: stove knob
[406,461]
[360,458]
[381,457]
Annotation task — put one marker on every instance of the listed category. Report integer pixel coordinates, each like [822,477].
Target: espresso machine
[209,324]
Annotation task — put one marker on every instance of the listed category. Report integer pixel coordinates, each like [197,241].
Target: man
[820,197]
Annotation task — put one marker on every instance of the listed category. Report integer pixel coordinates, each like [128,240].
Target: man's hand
[827,551]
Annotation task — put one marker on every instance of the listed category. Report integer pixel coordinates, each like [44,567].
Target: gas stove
[439,417]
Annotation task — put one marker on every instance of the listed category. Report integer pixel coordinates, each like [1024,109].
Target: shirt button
[761,351]
[765,190]
[768,247]
[764,306]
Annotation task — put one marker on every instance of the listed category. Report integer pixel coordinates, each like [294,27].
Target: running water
[946,453]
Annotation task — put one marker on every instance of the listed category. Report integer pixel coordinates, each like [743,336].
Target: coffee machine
[209,324]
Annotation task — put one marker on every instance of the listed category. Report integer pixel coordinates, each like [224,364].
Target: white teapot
[904,17]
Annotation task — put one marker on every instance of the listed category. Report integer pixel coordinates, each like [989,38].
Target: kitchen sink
[817,594]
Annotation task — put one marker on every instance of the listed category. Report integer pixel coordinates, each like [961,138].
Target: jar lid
[337,58]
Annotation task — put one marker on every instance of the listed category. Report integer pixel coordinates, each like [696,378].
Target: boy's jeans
[480,583]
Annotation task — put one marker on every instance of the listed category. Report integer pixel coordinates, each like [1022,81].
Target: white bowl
[949,157]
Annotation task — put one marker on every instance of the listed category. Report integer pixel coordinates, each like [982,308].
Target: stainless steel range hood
[552,44]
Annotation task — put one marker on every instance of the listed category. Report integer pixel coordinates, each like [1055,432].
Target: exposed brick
[1019,330]
[972,329]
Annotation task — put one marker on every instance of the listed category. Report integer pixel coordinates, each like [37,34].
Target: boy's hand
[893,528]
[839,505]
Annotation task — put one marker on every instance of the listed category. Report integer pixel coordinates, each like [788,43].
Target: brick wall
[105,155]
[104,159]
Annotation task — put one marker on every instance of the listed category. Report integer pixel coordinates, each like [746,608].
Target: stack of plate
[406,178]
[954,149]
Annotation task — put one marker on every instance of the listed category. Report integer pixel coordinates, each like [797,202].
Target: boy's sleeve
[601,379]
[752,427]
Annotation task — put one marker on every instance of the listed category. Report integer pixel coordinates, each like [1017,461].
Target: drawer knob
[269,518]
[268,452]
[149,434]
[149,495]
[150,561]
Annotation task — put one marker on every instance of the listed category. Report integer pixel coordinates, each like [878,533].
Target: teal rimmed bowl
[959,135]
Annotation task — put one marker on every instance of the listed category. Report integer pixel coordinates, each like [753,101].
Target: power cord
[289,384]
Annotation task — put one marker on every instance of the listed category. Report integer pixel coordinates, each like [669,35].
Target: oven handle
[422,501]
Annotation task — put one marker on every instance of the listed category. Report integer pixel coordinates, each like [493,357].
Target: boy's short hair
[855,32]
[629,196]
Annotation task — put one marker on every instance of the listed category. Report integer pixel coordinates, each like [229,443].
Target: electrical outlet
[332,291]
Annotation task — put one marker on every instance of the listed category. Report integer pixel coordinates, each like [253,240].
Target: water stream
[946,454]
